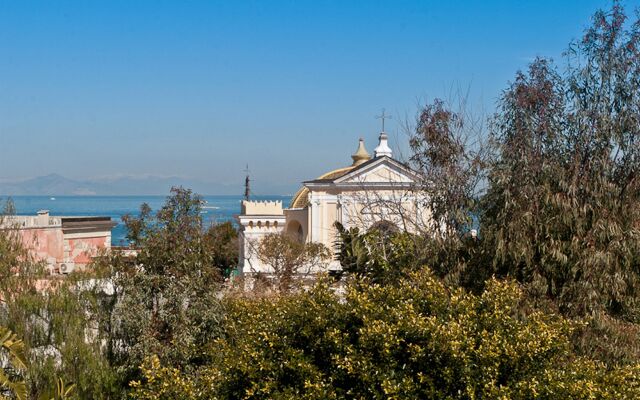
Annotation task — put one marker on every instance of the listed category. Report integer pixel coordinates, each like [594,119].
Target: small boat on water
[52,198]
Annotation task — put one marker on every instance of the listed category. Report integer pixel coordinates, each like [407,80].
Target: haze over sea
[216,209]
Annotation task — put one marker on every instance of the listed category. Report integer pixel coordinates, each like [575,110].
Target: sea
[216,209]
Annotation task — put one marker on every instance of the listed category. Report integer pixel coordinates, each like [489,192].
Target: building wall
[261,207]
[404,208]
[251,233]
[81,249]
[323,214]
[362,209]
[258,219]
[45,244]
[49,240]
[300,216]
[53,247]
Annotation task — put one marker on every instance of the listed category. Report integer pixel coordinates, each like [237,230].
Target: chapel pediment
[380,170]
[375,172]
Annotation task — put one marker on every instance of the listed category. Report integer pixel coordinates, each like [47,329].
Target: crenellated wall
[261,207]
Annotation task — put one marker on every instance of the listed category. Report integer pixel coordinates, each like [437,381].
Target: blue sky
[200,88]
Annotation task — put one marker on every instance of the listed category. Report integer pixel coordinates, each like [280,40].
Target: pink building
[63,243]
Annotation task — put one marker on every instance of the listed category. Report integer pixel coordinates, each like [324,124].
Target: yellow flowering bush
[417,339]
[162,383]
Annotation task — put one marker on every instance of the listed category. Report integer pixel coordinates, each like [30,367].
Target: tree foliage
[62,391]
[222,242]
[561,207]
[12,352]
[52,319]
[414,339]
[543,303]
[165,298]
[94,328]
[448,151]
[562,210]
[289,258]
[379,256]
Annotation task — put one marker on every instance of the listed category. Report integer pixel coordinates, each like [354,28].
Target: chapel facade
[369,192]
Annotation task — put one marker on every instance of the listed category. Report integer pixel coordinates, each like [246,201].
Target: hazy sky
[200,88]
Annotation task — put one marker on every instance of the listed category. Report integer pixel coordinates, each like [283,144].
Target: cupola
[361,155]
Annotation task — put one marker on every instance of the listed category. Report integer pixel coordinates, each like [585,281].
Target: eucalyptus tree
[165,299]
[562,212]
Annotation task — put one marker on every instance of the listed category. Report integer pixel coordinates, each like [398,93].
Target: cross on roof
[383,116]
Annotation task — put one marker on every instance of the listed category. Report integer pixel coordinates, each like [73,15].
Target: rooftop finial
[383,148]
[361,155]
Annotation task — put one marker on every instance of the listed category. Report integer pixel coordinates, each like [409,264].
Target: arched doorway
[386,228]
[294,230]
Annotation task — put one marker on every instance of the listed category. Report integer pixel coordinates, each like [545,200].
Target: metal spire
[247,188]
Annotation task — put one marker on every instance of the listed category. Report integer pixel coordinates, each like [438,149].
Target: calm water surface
[217,208]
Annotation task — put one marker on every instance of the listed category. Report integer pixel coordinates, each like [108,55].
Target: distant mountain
[57,185]
[45,185]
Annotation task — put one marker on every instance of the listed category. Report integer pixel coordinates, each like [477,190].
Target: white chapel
[370,191]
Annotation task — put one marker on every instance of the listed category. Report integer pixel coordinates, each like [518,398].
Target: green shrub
[416,339]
